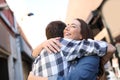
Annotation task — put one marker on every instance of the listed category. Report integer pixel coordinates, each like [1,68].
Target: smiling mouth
[67,35]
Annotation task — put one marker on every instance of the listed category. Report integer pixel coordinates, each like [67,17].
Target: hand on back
[52,45]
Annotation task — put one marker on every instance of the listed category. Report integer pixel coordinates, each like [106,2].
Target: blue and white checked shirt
[50,64]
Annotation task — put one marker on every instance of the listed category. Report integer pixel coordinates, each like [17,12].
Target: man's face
[72,31]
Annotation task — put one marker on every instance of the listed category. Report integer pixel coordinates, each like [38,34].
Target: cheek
[77,32]
[78,35]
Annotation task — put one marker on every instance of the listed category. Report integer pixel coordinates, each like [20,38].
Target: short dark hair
[86,32]
[55,29]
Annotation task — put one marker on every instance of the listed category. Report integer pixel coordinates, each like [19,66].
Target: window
[3,69]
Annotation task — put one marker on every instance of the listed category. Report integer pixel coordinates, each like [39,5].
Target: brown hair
[55,29]
[86,32]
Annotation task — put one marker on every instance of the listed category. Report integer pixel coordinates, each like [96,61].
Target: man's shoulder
[66,41]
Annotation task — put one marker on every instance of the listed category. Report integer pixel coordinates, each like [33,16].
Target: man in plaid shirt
[47,64]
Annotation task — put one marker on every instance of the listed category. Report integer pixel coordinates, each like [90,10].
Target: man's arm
[73,48]
[78,47]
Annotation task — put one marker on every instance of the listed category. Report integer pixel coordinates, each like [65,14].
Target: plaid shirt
[48,64]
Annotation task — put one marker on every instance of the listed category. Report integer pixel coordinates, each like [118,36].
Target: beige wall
[81,8]
[111,14]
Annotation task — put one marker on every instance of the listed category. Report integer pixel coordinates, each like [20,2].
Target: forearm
[37,50]
[51,46]
[32,77]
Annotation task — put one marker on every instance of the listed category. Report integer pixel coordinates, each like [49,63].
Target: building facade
[15,51]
